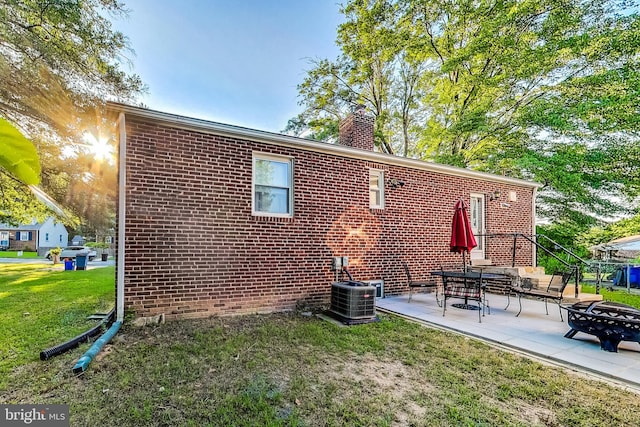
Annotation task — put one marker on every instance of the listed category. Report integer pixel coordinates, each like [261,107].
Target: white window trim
[379,173]
[284,159]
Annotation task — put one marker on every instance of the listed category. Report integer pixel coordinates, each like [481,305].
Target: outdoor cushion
[462,292]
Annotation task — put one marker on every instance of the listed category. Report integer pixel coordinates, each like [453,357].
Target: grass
[42,306]
[276,370]
[14,254]
[617,295]
[290,370]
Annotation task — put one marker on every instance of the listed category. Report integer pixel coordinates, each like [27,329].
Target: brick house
[219,220]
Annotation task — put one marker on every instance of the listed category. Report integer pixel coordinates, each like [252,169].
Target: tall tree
[538,89]
[59,60]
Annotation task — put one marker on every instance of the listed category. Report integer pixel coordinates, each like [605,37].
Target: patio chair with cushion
[554,291]
[465,285]
[420,284]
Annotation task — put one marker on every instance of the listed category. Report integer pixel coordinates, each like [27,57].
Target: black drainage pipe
[74,342]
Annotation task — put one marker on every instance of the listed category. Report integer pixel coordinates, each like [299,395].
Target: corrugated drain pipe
[74,342]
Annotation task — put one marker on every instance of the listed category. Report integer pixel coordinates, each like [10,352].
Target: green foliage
[60,60]
[97,245]
[17,203]
[545,90]
[623,228]
[563,234]
[18,155]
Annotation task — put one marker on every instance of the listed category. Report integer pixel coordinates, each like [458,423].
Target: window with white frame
[376,189]
[24,236]
[272,185]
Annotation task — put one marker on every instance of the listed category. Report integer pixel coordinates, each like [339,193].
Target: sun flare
[98,147]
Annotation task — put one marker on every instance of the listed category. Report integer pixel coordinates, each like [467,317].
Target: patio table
[468,279]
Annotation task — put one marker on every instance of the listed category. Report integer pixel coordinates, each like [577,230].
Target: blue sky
[232,61]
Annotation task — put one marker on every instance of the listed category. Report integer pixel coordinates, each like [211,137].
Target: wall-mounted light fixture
[494,196]
[395,183]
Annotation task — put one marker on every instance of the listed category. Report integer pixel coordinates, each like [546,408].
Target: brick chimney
[357,130]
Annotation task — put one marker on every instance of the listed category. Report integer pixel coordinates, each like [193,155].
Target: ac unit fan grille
[353,302]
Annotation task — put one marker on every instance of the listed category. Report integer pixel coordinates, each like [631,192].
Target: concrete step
[581,297]
[482,262]
[529,270]
[537,280]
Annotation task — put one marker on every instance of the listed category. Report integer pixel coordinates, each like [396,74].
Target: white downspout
[122,181]
[533,226]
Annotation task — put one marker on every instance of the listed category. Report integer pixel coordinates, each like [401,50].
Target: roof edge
[217,128]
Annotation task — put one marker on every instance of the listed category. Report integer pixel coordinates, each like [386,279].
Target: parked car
[72,251]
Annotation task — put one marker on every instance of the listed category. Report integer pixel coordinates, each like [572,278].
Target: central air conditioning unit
[353,300]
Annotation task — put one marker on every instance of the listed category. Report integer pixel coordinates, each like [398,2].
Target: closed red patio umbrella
[462,238]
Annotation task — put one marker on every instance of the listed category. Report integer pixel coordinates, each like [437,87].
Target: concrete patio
[533,334]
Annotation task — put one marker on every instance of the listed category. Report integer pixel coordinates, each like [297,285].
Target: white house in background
[35,236]
[622,249]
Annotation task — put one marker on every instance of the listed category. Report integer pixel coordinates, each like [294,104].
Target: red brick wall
[193,248]
[20,245]
[357,130]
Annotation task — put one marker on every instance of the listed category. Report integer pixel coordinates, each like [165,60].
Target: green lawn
[14,254]
[42,306]
[291,370]
[281,370]
[617,295]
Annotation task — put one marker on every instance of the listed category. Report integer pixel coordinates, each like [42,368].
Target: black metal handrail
[534,240]
[593,266]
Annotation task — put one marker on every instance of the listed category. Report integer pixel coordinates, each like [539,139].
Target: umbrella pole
[464,263]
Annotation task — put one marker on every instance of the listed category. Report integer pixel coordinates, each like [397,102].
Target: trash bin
[105,256]
[81,260]
[68,264]
[634,277]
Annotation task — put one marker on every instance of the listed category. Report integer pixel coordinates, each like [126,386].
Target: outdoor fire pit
[611,322]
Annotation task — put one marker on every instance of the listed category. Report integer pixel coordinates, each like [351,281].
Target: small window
[46,237]
[61,238]
[25,236]
[272,185]
[376,189]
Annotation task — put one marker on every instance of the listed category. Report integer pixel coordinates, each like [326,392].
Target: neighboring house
[36,236]
[222,220]
[77,240]
[623,249]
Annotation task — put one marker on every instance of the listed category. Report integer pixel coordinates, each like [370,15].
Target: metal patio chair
[553,291]
[427,284]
